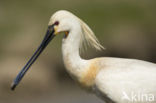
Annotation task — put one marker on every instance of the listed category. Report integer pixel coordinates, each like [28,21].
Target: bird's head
[63,22]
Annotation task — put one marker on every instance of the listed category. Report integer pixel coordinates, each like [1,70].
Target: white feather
[115,77]
[135,78]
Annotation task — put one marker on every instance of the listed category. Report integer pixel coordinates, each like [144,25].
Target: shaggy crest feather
[88,37]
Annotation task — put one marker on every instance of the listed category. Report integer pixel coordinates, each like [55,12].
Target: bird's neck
[70,48]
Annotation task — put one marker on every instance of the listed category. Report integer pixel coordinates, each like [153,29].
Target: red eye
[56,23]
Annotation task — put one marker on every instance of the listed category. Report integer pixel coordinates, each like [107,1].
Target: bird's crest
[88,37]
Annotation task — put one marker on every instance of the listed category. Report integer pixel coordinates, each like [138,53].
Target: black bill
[48,37]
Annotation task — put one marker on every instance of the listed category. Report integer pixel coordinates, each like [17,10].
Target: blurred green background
[126,28]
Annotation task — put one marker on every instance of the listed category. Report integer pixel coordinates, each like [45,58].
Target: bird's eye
[56,23]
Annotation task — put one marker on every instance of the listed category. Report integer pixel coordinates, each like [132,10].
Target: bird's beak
[48,37]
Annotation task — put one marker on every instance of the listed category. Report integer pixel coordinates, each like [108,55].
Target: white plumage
[115,80]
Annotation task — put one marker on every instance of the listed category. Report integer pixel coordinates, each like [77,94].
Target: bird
[114,80]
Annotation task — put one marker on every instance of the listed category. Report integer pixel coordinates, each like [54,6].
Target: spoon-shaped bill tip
[13,86]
